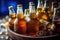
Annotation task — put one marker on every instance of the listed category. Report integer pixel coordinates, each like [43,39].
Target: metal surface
[17,36]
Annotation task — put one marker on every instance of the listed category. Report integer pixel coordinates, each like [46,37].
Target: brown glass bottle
[12,16]
[56,19]
[33,24]
[20,22]
[50,12]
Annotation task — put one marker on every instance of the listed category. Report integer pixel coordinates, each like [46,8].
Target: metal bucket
[16,36]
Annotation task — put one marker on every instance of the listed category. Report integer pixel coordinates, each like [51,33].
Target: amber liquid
[32,26]
[41,14]
[11,23]
[20,16]
[39,9]
[21,26]
[12,16]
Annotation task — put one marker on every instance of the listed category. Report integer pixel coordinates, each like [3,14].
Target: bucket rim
[29,36]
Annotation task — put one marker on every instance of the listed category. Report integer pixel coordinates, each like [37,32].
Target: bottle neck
[32,9]
[52,7]
[26,12]
[40,4]
[45,4]
[19,10]
[54,14]
[11,11]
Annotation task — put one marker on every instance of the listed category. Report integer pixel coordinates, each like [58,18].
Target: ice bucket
[16,36]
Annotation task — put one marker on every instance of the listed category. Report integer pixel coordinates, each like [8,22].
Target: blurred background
[4,4]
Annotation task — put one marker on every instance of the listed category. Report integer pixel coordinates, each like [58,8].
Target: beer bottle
[50,12]
[33,24]
[40,10]
[12,16]
[20,22]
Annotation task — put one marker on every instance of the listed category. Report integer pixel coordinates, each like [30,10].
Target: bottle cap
[10,7]
[31,3]
[19,5]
